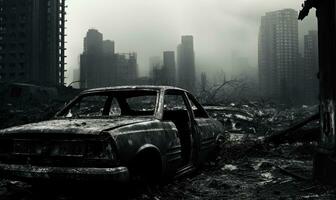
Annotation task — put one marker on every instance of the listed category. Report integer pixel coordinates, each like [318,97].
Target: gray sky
[150,27]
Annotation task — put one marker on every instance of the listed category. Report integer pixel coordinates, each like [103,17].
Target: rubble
[248,168]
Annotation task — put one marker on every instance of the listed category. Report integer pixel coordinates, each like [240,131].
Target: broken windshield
[112,104]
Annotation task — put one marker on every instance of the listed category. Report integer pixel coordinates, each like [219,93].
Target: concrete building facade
[278,55]
[32,41]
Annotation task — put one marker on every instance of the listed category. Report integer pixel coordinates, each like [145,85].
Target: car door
[205,128]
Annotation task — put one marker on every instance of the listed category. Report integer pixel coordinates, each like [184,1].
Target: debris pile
[252,165]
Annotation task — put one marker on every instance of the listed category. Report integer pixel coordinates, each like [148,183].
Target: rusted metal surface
[91,147]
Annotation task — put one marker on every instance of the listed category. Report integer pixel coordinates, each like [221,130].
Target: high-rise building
[91,61]
[186,64]
[100,66]
[311,63]
[155,73]
[169,68]
[278,55]
[32,41]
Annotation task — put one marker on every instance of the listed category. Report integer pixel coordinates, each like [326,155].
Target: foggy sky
[150,27]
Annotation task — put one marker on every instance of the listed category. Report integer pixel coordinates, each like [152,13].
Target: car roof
[132,87]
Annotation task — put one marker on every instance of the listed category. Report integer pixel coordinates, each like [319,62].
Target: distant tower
[91,60]
[108,47]
[311,64]
[155,64]
[32,42]
[278,55]
[204,82]
[169,68]
[101,66]
[186,63]
[93,42]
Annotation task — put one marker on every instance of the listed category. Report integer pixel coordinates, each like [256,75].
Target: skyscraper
[100,66]
[186,63]
[278,55]
[32,41]
[91,61]
[311,63]
[169,68]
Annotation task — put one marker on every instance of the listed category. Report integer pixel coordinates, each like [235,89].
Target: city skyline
[153,27]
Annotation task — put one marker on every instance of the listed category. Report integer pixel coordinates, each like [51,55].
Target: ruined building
[32,41]
[100,66]
[186,64]
[278,55]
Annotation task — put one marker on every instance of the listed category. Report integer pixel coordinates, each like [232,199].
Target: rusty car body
[114,134]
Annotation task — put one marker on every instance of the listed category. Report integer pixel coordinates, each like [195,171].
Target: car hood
[75,126]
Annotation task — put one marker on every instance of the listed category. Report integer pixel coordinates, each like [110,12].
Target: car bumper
[27,173]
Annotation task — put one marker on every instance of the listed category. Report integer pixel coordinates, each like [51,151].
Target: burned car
[114,134]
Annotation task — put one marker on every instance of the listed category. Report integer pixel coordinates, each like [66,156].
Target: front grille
[56,152]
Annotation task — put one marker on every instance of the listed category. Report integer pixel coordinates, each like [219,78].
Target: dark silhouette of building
[155,73]
[204,82]
[169,68]
[75,78]
[278,55]
[91,60]
[100,66]
[311,82]
[163,72]
[186,64]
[32,41]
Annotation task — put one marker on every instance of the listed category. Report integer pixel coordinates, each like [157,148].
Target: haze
[150,27]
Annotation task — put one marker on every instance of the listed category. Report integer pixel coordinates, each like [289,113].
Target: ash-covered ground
[248,168]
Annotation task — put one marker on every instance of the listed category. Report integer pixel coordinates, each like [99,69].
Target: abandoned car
[114,134]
